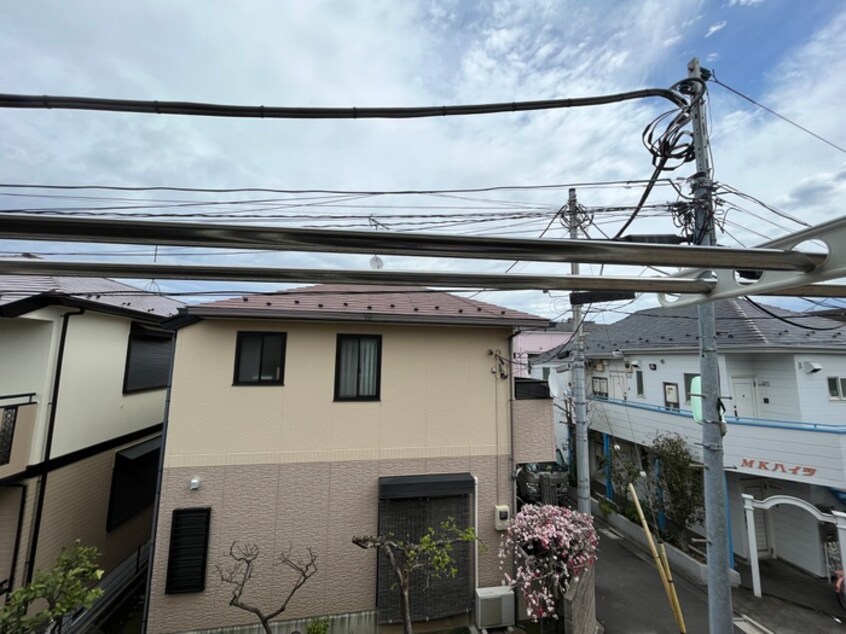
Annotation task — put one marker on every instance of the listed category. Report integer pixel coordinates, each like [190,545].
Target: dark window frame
[174,585]
[377,396]
[125,475]
[140,332]
[244,334]
[639,385]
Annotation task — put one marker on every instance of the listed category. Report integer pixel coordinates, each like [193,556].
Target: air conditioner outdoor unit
[494,607]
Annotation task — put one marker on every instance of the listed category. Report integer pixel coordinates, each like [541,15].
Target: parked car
[542,482]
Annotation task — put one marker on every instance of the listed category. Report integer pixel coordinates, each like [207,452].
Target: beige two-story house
[303,418]
[83,375]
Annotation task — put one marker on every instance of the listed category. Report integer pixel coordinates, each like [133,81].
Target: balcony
[814,453]
[17,423]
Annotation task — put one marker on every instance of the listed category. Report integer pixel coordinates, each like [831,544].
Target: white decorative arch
[750,504]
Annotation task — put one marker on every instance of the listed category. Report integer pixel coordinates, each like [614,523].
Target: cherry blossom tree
[551,547]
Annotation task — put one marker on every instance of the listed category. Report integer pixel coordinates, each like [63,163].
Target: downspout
[151,553]
[476,528]
[48,445]
[18,536]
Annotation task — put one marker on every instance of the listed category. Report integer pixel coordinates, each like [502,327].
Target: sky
[789,56]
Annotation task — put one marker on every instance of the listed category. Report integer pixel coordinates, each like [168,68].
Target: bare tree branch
[239,573]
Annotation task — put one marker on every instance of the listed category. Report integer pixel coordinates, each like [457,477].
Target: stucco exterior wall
[92,406]
[286,465]
[438,398]
[76,506]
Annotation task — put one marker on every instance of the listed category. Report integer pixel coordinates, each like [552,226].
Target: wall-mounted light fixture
[653,366]
[194,484]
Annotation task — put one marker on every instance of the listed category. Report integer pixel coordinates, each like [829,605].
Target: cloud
[388,53]
[744,3]
[715,27]
[712,57]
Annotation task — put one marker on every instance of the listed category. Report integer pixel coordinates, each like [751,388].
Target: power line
[387,192]
[197,109]
[776,114]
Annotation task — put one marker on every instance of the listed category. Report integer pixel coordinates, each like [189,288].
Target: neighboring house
[531,344]
[784,390]
[304,418]
[83,372]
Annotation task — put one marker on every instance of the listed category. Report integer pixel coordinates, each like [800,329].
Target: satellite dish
[376,263]
[555,384]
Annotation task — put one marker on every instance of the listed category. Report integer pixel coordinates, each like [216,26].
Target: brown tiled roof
[363,302]
[47,289]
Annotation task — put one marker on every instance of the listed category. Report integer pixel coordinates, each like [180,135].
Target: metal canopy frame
[786,271]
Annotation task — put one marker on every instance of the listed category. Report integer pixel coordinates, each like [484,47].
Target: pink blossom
[551,546]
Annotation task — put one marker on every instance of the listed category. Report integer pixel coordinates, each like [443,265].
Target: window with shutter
[147,359]
[189,546]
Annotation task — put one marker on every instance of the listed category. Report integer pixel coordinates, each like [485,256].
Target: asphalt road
[630,598]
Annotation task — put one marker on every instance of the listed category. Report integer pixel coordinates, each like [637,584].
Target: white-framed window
[837,387]
[600,387]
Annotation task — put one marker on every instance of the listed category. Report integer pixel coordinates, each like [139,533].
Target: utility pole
[579,398]
[719,583]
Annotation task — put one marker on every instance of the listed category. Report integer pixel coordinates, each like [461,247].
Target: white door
[618,385]
[745,403]
[761,534]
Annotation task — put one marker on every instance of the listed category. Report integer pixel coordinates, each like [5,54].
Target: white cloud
[716,27]
[712,57]
[744,3]
[388,53]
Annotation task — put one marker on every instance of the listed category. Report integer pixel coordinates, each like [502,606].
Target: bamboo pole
[662,571]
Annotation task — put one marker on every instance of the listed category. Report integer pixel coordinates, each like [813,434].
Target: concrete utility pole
[719,582]
[579,398]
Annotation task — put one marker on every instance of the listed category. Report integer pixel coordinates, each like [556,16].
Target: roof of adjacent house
[740,325]
[349,302]
[20,294]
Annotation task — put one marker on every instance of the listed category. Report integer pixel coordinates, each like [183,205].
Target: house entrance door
[745,403]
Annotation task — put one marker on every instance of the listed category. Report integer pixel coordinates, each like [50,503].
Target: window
[358,363]
[133,481]
[600,387]
[189,549]
[147,359]
[639,383]
[260,358]
[688,379]
[407,506]
[837,387]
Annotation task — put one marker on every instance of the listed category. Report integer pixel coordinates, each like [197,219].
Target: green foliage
[318,626]
[65,588]
[679,479]
[670,480]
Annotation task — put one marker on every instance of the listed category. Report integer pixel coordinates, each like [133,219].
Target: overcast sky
[788,55]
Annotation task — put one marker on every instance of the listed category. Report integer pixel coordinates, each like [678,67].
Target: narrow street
[630,598]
